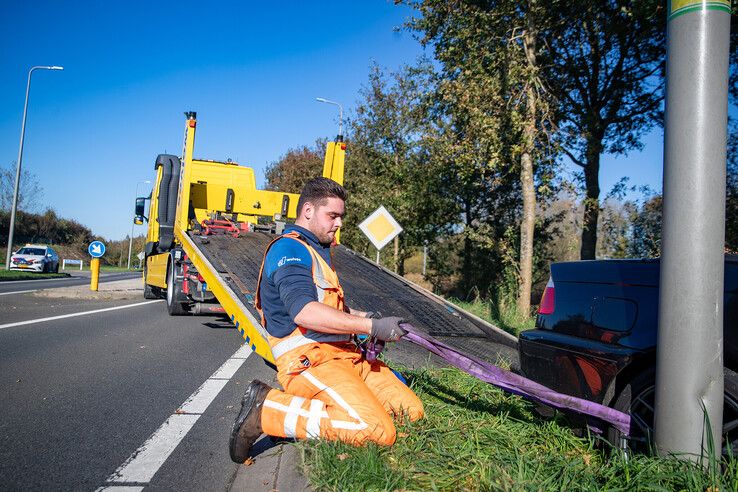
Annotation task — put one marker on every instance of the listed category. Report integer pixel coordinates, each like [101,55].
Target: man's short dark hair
[318,190]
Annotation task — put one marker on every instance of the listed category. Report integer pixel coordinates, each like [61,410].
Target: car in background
[595,338]
[35,258]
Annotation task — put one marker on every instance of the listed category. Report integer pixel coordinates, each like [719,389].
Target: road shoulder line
[143,463]
[72,315]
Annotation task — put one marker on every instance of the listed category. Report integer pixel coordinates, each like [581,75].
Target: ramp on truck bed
[235,264]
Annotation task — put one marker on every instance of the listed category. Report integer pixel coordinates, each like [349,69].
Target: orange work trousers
[331,393]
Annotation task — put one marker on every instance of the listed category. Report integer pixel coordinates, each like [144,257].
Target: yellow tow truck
[203,247]
[208,227]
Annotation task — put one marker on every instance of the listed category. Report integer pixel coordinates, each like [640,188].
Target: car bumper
[28,268]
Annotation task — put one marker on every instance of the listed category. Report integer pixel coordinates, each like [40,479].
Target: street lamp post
[340,115]
[130,239]
[18,167]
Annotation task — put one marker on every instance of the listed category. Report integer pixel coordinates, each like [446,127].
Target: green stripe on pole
[680,7]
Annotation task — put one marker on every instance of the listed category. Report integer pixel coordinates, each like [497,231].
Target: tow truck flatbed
[368,287]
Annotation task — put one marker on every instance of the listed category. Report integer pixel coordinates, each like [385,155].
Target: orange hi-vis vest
[330,293]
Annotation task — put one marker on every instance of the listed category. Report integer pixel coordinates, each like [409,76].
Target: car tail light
[548,301]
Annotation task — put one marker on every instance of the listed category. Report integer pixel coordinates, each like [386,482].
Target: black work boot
[247,427]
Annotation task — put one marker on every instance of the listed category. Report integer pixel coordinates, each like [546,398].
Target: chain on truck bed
[367,287]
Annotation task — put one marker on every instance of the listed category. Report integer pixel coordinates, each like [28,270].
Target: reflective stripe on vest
[292,342]
[329,292]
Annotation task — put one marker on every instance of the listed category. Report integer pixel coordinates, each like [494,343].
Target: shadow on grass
[450,395]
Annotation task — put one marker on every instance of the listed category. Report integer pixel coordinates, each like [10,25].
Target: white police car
[35,258]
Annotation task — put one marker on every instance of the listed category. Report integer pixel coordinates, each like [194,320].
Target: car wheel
[174,288]
[637,399]
[56,268]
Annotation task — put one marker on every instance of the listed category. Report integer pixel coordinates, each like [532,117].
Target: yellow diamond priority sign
[380,227]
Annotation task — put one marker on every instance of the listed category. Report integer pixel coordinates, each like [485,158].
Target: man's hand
[387,329]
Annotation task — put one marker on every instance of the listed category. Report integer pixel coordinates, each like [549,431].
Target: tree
[385,164]
[30,192]
[295,167]
[489,56]
[604,67]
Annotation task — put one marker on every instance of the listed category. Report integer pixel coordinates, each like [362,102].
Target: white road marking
[143,464]
[17,292]
[199,401]
[72,315]
[119,488]
[228,369]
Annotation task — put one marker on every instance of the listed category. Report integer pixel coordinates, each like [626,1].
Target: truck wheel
[174,290]
[637,399]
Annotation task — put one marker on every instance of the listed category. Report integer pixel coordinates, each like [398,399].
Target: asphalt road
[117,395]
[78,278]
[86,394]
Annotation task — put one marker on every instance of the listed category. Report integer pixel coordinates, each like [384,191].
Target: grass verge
[20,275]
[507,319]
[476,437]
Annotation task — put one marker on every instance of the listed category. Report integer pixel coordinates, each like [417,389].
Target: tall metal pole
[130,238]
[14,206]
[689,371]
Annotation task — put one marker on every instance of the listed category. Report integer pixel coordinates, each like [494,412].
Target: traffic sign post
[96,250]
[381,228]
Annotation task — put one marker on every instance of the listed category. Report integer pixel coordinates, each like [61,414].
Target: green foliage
[388,164]
[294,168]
[476,437]
[69,238]
[44,228]
[500,312]
[18,275]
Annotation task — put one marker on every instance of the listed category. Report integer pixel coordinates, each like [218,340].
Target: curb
[118,289]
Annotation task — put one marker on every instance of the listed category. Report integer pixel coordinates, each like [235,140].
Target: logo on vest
[284,260]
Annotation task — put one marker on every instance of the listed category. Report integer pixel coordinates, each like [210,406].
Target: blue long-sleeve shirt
[287,280]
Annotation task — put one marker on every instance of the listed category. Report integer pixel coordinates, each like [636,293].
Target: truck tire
[637,399]
[174,290]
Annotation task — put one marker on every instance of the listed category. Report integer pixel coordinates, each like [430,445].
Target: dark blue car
[595,338]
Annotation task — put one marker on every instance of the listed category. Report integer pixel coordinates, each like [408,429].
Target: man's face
[324,220]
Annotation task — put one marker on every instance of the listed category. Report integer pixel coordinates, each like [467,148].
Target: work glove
[373,314]
[387,329]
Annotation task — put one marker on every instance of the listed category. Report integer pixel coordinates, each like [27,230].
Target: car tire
[174,289]
[56,269]
[637,399]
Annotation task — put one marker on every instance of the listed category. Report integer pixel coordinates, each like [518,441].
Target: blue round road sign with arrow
[96,249]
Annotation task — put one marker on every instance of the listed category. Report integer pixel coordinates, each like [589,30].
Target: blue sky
[250,70]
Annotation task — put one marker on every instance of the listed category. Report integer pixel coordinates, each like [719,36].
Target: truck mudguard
[168,187]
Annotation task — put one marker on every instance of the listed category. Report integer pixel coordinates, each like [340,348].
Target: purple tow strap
[516,384]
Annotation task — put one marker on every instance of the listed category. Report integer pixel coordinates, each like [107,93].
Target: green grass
[507,319]
[20,275]
[476,437]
